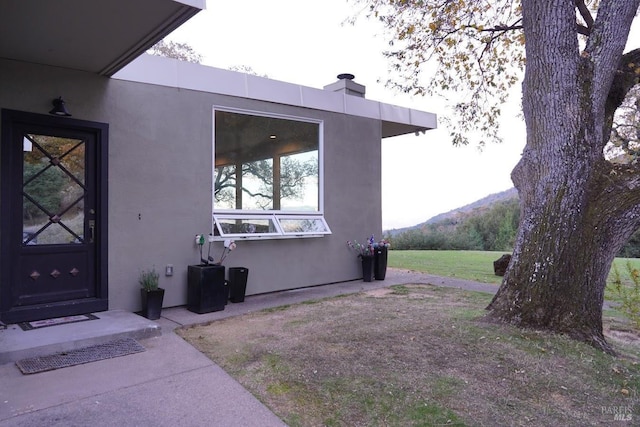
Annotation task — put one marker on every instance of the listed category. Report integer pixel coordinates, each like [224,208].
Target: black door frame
[8,175]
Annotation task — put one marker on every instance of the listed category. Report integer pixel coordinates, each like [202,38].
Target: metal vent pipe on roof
[346,85]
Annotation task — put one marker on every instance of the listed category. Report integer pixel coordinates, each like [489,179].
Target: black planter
[380,263]
[237,283]
[367,268]
[152,303]
[207,289]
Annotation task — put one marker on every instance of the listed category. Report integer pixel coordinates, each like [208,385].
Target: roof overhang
[97,36]
[395,120]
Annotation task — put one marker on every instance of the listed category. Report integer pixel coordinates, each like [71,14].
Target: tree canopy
[473,54]
[470,52]
[175,50]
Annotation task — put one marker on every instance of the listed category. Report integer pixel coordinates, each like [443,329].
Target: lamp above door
[59,109]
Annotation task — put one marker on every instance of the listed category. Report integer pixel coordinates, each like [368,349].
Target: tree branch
[258,194]
[622,192]
[627,75]
[581,29]
[586,15]
[502,28]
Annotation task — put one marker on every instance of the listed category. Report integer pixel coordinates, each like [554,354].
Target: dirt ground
[420,355]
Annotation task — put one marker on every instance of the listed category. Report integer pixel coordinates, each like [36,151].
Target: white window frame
[273,215]
[278,233]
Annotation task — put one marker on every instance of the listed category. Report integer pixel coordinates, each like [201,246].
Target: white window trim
[272,215]
[278,233]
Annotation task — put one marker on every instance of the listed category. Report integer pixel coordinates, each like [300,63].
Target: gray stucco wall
[160,153]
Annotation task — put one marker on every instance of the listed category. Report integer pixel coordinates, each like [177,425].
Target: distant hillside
[456,215]
[489,224]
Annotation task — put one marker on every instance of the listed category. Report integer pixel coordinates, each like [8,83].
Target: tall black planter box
[207,290]
[152,303]
[367,268]
[380,263]
[237,283]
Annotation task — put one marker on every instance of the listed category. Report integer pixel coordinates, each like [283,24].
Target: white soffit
[157,70]
[97,36]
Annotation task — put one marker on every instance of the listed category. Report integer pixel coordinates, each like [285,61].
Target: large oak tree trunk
[577,209]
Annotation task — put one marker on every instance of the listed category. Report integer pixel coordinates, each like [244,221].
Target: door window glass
[53,190]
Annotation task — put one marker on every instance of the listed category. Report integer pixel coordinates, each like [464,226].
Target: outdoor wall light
[59,108]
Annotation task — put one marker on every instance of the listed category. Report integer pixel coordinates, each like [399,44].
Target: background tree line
[491,228]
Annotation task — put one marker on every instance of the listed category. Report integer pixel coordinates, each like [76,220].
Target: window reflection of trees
[278,160]
[247,226]
[302,225]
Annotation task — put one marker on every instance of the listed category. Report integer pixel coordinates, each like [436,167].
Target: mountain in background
[457,215]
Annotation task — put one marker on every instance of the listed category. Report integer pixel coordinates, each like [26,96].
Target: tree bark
[577,209]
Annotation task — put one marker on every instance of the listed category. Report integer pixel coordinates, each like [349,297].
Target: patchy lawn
[420,355]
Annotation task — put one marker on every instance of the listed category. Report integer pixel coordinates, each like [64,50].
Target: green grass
[621,263]
[469,265]
[473,265]
[478,266]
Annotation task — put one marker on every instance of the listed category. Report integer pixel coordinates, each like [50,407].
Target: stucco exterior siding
[160,186]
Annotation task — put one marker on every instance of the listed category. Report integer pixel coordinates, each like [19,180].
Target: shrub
[628,295]
[149,280]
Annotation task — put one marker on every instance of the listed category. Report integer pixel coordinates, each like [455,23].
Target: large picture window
[267,175]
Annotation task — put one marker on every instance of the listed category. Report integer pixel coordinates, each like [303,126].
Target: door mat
[108,350]
[37,324]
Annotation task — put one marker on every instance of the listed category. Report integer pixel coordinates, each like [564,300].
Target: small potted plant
[152,295]
[366,254]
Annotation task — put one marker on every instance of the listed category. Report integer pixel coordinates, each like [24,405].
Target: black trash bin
[237,283]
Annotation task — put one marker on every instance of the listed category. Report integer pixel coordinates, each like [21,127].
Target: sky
[308,43]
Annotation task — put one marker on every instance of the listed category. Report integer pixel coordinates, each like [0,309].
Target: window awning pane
[303,225]
[236,225]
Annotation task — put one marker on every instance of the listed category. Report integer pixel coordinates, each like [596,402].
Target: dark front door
[53,206]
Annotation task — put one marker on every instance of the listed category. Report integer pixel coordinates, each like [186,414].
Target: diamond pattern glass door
[53,207]
[53,190]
